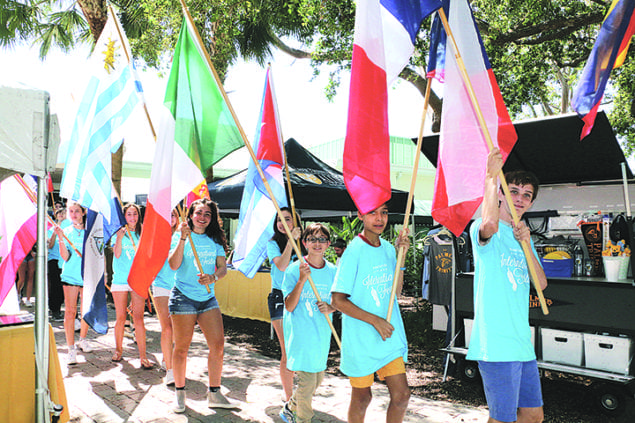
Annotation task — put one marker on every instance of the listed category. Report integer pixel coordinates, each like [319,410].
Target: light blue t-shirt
[72,269]
[307,335]
[187,273]
[366,273]
[121,266]
[166,276]
[277,275]
[54,252]
[501,298]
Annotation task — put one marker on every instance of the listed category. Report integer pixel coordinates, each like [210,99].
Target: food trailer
[590,328]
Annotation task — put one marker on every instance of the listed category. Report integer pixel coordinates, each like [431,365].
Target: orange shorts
[395,367]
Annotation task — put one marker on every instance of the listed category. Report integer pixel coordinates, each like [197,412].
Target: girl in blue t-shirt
[161,287]
[72,282]
[56,292]
[280,253]
[124,250]
[192,299]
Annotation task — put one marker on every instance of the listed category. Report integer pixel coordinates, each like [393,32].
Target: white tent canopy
[23,126]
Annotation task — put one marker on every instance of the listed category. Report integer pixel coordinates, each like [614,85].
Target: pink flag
[18,230]
[458,187]
[385,32]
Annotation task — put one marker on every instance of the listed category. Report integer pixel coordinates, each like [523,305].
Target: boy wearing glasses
[307,335]
[370,344]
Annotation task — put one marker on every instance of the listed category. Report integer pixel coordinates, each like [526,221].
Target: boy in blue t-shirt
[370,344]
[307,334]
[501,337]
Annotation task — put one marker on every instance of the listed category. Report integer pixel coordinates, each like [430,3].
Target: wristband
[402,269]
[183,239]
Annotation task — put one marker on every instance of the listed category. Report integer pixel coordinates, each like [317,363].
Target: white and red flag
[458,187]
[385,33]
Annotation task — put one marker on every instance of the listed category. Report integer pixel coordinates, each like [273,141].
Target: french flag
[458,187]
[385,32]
[257,211]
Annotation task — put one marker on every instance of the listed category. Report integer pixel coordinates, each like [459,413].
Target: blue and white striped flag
[112,95]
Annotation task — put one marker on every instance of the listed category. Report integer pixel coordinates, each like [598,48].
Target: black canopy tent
[552,150]
[318,189]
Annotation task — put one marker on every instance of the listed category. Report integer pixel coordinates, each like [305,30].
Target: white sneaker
[78,325]
[218,400]
[169,378]
[84,345]
[72,355]
[26,302]
[180,401]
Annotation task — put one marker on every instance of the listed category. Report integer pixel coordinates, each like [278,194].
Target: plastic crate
[609,353]
[564,347]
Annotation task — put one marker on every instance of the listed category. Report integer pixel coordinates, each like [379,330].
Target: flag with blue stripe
[112,95]
[257,211]
[96,236]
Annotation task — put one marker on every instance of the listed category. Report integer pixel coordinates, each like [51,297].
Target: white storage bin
[560,346]
[609,353]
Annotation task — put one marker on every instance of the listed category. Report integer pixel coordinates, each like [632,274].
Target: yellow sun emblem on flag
[110,55]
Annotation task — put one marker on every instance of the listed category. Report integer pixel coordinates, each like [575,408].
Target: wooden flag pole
[481,119]
[31,196]
[413,180]
[258,168]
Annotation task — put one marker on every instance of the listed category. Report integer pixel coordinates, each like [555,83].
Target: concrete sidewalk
[99,390]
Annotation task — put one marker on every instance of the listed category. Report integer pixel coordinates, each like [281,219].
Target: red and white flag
[458,187]
[385,32]
[18,230]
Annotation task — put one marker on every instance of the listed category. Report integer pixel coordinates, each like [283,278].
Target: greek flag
[112,95]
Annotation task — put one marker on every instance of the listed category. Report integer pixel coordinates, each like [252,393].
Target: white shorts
[157,291]
[120,288]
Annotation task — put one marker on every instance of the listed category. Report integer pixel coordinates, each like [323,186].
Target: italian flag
[196,130]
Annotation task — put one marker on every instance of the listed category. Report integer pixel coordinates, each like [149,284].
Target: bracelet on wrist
[183,239]
[402,269]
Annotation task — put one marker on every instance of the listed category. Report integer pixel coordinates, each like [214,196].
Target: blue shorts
[276,304]
[180,303]
[510,385]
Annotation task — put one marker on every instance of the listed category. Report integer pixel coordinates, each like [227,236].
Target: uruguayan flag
[112,95]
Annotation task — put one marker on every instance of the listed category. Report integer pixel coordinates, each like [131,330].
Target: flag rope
[525,245]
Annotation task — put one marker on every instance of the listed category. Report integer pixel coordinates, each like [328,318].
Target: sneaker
[78,325]
[57,317]
[84,345]
[72,356]
[180,401]
[286,414]
[169,378]
[218,400]
[26,302]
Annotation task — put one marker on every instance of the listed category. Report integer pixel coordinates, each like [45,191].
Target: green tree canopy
[537,47]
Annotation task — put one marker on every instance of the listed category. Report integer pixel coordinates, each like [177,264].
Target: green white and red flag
[196,130]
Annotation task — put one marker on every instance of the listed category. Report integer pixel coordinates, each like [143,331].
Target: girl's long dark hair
[280,237]
[137,228]
[214,229]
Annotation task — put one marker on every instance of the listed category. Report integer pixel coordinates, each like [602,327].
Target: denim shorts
[179,303]
[276,304]
[509,386]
